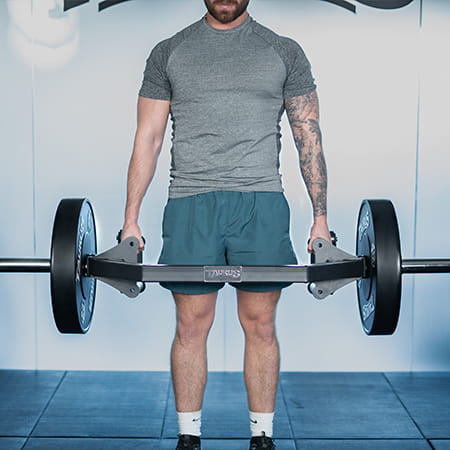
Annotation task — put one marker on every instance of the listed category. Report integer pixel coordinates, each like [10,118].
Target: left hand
[319,229]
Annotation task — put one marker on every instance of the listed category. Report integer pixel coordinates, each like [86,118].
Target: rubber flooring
[49,410]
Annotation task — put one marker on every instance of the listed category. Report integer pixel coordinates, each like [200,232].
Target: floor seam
[169,386]
[404,407]
[44,410]
[283,397]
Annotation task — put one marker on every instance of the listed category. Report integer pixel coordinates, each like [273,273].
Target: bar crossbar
[102,268]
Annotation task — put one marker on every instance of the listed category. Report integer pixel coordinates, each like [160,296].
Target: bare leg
[262,354]
[195,315]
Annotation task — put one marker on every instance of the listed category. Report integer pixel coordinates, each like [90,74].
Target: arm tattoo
[303,114]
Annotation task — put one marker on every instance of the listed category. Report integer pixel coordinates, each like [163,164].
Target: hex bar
[99,268]
[425,265]
[24,265]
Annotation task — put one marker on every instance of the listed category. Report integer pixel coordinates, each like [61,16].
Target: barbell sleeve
[426,265]
[22,265]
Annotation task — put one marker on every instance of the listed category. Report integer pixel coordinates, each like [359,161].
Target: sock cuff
[261,423]
[190,422]
[190,414]
[261,416]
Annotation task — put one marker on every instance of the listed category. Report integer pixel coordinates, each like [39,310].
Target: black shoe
[262,443]
[188,442]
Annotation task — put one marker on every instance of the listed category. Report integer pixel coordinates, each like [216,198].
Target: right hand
[133,230]
[318,230]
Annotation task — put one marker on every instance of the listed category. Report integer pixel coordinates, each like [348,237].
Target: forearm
[314,172]
[140,173]
[303,114]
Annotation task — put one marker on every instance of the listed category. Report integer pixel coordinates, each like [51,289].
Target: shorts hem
[192,288]
[259,287]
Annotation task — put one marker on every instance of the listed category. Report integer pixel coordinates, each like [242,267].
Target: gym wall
[69,83]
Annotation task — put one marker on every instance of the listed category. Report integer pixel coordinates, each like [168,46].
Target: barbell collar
[21,265]
[426,265]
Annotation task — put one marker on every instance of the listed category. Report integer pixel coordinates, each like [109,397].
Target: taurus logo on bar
[222,274]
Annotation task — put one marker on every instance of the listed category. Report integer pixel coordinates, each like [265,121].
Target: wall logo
[69,4]
[379,4]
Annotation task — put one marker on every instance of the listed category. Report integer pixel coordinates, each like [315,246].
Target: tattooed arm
[303,114]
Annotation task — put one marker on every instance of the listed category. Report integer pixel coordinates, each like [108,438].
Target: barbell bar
[75,267]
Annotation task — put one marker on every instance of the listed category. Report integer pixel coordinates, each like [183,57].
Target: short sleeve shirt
[227,91]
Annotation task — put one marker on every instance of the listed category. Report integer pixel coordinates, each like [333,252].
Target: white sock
[190,422]
[261,422]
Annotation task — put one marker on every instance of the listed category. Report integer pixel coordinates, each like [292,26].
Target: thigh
[263,238]
[191,237]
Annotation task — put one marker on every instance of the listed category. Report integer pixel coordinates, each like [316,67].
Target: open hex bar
[75,267]
[95,267]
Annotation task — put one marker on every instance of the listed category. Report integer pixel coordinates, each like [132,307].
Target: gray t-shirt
[227,91]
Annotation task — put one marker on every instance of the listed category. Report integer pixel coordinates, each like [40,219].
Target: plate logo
[368,309]
[364,225]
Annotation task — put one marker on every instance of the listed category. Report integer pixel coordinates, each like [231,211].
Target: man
[225,81]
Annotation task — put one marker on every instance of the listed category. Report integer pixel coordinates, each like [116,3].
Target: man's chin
[225,16]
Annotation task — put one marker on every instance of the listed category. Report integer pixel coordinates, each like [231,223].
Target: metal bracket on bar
[125,251]
[325,252]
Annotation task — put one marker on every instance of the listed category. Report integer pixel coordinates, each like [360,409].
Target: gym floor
[135,410]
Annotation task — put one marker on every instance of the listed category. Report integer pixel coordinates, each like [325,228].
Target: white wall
[69,83]
[430,332]
[17,296]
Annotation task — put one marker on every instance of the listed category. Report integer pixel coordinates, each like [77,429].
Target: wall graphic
[381,4]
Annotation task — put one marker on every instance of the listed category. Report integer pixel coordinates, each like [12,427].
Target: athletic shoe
[262,443]
[188,442]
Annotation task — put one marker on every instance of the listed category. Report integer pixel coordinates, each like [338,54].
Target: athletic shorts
[227,228]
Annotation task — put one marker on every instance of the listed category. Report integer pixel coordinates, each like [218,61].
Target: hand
[318,230]
[133,230]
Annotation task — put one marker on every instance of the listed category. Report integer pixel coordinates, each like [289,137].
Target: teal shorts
[227,228]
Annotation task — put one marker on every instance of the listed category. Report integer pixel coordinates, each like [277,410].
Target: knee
[259,328]
[194,326]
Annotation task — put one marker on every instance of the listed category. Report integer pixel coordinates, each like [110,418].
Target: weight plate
[73,238]
[378,241]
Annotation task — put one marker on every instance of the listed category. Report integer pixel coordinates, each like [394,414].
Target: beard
[229,14]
